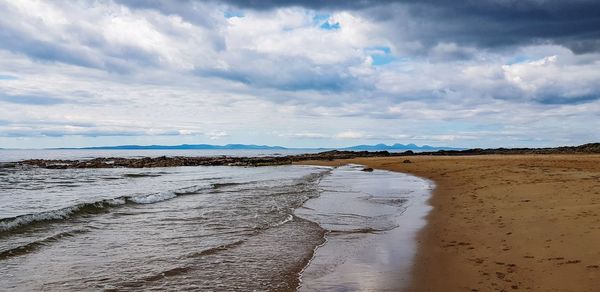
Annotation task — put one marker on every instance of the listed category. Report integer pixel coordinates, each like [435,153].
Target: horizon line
[417,147]
[231,144]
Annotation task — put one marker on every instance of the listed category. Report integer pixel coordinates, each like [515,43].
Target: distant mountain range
[378,147]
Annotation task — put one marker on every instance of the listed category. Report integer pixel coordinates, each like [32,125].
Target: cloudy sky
[299,73]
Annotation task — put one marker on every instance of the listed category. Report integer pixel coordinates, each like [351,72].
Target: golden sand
[506,223]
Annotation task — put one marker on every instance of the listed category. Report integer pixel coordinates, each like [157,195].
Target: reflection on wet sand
[371,221]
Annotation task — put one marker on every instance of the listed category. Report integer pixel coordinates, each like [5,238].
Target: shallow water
[371,220]
[184,228]
[195,227]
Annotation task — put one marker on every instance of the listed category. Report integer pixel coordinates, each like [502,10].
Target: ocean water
[12,155]
[181,228]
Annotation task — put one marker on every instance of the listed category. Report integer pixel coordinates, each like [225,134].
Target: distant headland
[377,147]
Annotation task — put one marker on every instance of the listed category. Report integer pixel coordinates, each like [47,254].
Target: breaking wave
[11,223]
[32,246]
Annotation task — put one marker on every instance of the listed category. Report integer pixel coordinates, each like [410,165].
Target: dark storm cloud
[486,23]
[185,5]
[311,4]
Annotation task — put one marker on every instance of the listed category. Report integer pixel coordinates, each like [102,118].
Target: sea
[217,228]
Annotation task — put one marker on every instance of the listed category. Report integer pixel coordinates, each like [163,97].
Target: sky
[489,73]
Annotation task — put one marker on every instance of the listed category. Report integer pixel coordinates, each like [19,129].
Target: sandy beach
[505,222]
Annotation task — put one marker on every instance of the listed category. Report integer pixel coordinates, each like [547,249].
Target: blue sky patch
[330,26]
[8,77]
[517,60]
[323,21]
[321,17]
[382,49]
[379,60]
[233,13]
[381,55]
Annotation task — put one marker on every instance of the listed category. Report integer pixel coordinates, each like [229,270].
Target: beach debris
[367,169]
[406,161]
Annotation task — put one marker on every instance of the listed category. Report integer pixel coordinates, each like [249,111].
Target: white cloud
[96,69]
[307,135]
[350,135]
[521,74]
[214,135]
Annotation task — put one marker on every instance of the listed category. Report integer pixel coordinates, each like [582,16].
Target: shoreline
[500,222]
[366,216]
[505,222]
[172,161]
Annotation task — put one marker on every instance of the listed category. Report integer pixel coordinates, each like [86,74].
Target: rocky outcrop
[164,161]
[8,164]
[591,148]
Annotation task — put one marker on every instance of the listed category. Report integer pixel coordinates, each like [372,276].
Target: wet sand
[371,221]
[506,222]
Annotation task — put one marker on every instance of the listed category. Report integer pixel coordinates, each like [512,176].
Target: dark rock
[406,161]
[8,165]
[164,161]
[367,169]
